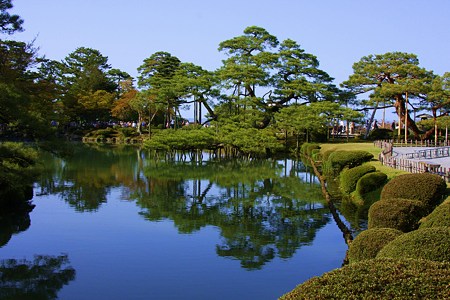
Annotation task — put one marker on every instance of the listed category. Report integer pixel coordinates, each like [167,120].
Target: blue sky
[339,33]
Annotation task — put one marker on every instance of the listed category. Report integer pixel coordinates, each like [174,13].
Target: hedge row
[427,243]
[369,242]
[439,217]
[349,177]
[370,182]
[379,279]
[338,160]
[396,213]
[425,187]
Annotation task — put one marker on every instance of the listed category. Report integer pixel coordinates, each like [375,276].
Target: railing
[417,143]
[386,158]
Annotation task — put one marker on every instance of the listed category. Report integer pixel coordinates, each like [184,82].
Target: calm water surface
[115,223]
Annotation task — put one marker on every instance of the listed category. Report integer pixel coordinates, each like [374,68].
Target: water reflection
[40,278]
[264,209]
[13,221]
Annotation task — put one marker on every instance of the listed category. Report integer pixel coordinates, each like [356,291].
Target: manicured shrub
[427,243]
[370,182]
[439,217]
[379,279]
[316,155]
[338,160]
[426,187]
[396,213]
[369,242]
[307,148]
[349,177]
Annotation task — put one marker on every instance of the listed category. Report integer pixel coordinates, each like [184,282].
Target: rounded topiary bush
[338,160]
[349,177]
[427,243]
[439,217]
[426,187]
[370,182]
[307,148]
[379,279]
[369,242]
[397,213]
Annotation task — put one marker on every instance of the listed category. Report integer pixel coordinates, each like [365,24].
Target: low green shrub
[379,279]
[370,182]
[396,213]
[439,217]
[426,187]
[369,242]
[338,160]
[307,148]
[349,177]
[316,155]
[427,243]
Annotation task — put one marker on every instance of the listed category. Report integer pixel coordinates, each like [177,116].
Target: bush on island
[379,279]
[370,182]
[396,213]
[427,243]
[349,177]
[426,187]
[439,217]
[368,243]
[338,160]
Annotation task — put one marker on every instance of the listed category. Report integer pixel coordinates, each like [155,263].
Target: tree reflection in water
[260,213]
[263,208]
[13,221]
[40,278]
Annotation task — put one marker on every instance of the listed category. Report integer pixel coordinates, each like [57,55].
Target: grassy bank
[369,147]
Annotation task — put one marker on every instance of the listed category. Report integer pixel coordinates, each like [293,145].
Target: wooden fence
[386,158]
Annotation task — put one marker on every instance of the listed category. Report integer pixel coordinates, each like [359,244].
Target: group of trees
[262,82]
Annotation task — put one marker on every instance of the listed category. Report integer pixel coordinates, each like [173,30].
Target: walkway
[439,159]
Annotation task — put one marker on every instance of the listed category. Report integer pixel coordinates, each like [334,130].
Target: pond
[117,223]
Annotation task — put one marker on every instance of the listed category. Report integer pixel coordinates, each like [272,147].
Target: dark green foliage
[397,213]
[427,243]
[380,134]
[338,160]
[379,279]
[369,242]
[349,177]
[370,182]
[182,139]
[16,173]
[439,217]
[426,187]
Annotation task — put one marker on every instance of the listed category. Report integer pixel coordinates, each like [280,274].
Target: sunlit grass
[369,147]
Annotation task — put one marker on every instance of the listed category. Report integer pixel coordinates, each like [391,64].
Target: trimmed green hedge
[439,217]
[370,182]
[426,187]
[349,177]
[427,243]
[369,242]
[379,279]
[338,160]
[307,148]
[396,213]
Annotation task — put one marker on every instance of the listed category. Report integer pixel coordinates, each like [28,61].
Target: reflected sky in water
[131,232]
